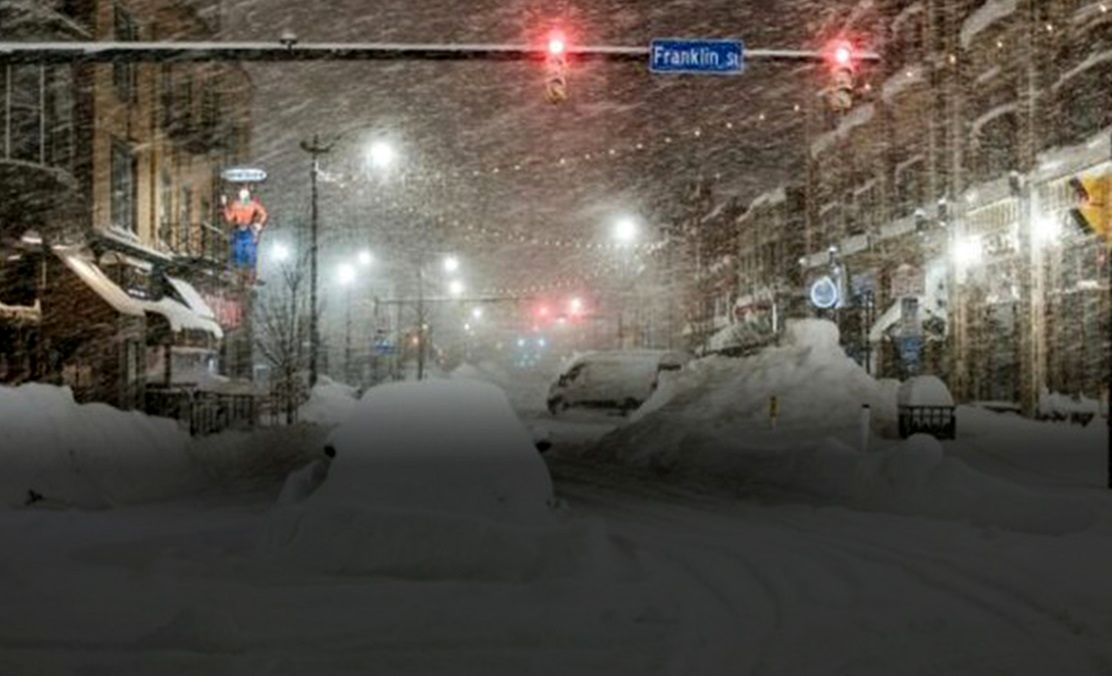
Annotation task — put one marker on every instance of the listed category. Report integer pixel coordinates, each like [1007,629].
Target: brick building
[944,194]
[113,269]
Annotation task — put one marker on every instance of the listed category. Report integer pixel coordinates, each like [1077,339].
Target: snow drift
[87,455]
[329,403]
[819,391]
[712,420]
[430,480]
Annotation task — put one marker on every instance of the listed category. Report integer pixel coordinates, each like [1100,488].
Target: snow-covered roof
[182,318]
[179,316]
[986,15]
[192,298]
[131,240]
[104,287]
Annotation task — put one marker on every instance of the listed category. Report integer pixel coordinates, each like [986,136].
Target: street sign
[384,348]
[707,57]
[243,175]
[824,293]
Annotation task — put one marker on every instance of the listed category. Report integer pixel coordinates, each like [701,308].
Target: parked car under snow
[619,380]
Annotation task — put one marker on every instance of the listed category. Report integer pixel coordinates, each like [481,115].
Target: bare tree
[283,325]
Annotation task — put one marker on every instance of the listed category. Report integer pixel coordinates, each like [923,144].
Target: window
[165,199]
[166,94]
[124,74]
[123,186]
[59,116]
[25,113]
[185,217]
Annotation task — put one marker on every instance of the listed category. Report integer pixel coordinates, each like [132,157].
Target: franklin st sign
[721,57]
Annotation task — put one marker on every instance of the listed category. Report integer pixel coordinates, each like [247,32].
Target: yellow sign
[1094,203]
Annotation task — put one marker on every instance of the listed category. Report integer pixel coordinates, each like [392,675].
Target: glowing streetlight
[968,251]
[280,252]
[575,305]
[345,274]
[625,230]
[381,154]
[476,313]
[365,258]
[1046,230]
[455,287]
[451,264]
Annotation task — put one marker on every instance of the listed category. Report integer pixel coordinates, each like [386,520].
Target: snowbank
[445,446]
[527,389]
[329,403]
[431,479]
[924,391]
[819,391]
[90,455]
[915,477]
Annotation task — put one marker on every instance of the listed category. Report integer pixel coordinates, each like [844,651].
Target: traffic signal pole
[289,49]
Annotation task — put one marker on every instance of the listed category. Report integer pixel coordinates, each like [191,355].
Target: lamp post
[380,155]
[624,234]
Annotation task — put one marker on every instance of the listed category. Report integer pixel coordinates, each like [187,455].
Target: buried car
[620,379]
[453,447]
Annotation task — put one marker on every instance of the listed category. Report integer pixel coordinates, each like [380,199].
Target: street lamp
[381,154]
[476,313]
[280,252]
[455,287]
[365,258]
[451,264]
[625,230]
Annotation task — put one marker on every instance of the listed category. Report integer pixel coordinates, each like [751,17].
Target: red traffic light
[840,55]
[557,44]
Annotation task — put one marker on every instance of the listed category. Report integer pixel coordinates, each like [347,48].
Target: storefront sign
[824,293]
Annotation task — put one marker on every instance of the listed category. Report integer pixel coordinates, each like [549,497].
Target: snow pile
[924,391]
[433,479]
[329,403]
[916,478]
[1060,406]
[818,389]
[87,455]
[526,389]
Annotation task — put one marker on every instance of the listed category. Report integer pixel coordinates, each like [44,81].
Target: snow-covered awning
[21,314]
[192,298]
[179,317]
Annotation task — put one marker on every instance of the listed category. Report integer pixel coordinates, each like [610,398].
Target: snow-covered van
[620,379]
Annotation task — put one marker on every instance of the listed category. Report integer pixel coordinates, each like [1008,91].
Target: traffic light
[556,68]
[840,58]
[1094,203]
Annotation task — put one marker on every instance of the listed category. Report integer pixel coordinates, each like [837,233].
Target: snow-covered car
[443,446]
[620,380]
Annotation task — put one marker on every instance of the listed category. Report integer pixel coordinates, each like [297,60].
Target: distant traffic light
[556,68]
[840,58]
[1093,210]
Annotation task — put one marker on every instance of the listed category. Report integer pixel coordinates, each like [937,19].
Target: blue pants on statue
[244,250]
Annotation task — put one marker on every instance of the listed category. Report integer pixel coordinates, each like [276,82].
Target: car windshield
[807,304]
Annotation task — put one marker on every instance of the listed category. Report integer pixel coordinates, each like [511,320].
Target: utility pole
[421,317]
[315,150]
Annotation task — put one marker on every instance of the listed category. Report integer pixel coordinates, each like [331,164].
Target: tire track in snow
[1003,609]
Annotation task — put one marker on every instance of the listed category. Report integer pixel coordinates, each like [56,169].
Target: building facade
[947,193]
[114,256]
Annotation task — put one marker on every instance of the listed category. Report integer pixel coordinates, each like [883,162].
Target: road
[683,579]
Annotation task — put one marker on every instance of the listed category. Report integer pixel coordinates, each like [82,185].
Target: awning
[179,317]
[894,314]
[193,300]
